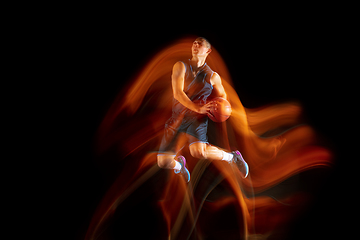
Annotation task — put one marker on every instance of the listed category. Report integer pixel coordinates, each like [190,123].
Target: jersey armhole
[184,66]
[212,87]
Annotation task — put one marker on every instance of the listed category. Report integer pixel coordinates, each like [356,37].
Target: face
[199,48]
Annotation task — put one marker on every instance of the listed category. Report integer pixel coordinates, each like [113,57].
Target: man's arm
[217,85]
[177,78]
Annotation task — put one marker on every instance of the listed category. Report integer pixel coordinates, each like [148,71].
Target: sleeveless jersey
[197,87]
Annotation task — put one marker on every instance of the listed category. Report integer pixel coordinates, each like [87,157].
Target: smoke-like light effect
[217,202]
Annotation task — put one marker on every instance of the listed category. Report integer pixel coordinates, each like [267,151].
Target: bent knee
[164,161]
[198,151]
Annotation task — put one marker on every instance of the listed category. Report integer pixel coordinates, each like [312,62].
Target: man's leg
[206,151]
[167,161]
[203,150]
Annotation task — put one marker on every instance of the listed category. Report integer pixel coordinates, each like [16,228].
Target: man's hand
[204,109]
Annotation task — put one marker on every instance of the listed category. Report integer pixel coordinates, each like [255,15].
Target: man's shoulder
[179,65]
[215,78]
[179,68]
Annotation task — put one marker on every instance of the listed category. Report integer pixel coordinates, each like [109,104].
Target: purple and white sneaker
[240,163]
[184,171]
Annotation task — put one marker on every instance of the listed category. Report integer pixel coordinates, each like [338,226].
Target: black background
[270,58]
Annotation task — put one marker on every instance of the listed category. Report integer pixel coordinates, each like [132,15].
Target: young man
[192,82]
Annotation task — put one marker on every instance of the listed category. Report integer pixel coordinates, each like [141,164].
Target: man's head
[201,47]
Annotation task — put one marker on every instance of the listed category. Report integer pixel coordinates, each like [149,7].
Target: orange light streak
[134,127]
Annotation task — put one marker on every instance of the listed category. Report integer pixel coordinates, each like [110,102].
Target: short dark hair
[208,45]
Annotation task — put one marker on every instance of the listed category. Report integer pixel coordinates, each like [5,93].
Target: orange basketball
[221,111]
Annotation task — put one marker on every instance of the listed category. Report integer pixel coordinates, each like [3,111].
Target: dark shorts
[196,127]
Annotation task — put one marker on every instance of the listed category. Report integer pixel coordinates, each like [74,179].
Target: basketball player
[192,83]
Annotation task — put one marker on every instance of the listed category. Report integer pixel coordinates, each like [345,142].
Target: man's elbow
[177,95]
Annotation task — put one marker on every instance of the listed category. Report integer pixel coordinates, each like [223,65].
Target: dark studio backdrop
[269,61]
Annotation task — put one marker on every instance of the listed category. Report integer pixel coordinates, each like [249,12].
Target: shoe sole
[187,171]
[246,165]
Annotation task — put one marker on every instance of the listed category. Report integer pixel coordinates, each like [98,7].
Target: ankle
[227,156]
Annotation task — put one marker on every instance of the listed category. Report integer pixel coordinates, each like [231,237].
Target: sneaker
[240,163]
[184,171]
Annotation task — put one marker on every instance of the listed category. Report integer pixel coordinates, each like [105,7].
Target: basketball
[221,111]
